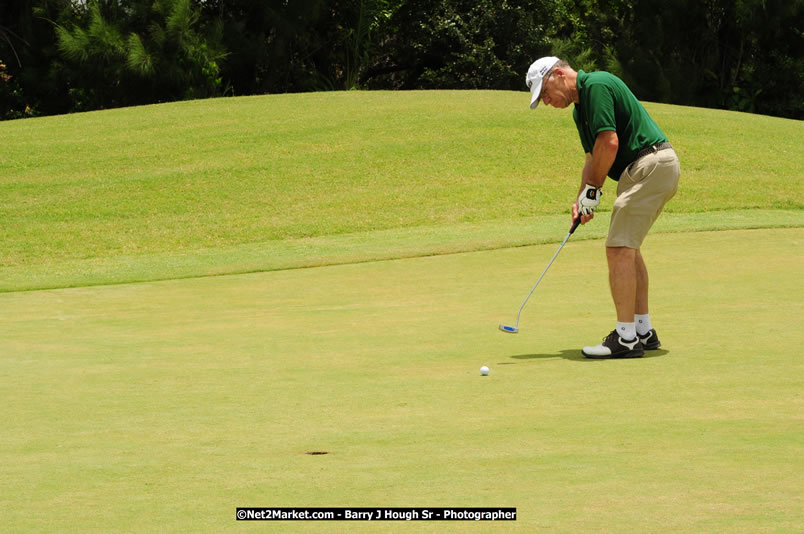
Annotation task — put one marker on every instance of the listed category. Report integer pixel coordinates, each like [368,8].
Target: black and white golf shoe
[650,341]
[614,346]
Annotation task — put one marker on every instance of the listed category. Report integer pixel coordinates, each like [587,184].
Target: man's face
[555,91]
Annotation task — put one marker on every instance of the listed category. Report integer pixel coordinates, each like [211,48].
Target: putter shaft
[572,229]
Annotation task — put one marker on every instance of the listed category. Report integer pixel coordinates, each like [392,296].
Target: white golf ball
[484,371]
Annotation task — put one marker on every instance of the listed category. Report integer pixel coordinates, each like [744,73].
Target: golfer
[620,141]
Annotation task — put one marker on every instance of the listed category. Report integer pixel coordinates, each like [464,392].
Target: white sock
[627,331]
[642,324]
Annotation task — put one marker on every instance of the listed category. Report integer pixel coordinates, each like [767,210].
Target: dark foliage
[60,56]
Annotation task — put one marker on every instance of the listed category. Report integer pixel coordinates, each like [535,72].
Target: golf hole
[316,453]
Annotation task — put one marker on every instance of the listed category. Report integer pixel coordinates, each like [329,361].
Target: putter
[514,329]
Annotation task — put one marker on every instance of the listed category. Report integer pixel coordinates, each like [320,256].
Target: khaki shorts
[644,188]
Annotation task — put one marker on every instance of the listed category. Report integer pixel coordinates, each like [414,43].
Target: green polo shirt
[606,103]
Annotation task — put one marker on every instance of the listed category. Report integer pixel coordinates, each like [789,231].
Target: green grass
[379,239]
[217,174]
[355,248]
[164,406]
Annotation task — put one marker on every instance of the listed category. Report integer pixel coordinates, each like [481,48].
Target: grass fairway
[163,406]
[246,184]
[326,272]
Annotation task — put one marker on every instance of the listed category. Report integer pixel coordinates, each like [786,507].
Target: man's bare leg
[623,281]
[641,304]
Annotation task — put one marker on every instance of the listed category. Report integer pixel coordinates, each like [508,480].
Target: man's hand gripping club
[588,200]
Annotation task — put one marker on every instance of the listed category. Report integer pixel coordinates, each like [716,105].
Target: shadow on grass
[576,356]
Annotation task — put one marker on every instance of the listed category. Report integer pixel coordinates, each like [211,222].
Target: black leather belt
[651,149]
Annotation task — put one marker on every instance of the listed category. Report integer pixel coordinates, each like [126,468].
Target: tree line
[60,56]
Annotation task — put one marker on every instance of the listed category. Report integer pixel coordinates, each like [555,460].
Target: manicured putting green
[164,406]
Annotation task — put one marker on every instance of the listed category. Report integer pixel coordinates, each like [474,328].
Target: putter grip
[575,224]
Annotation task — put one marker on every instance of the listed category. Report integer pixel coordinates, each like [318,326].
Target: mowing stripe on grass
[358,248]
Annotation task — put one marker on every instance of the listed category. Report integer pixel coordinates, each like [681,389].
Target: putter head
[509,329]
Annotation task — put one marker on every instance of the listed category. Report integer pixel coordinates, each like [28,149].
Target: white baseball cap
[535,77]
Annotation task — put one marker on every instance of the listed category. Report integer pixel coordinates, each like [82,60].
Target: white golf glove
[589,200]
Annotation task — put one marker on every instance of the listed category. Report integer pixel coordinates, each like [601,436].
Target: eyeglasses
[544,85]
